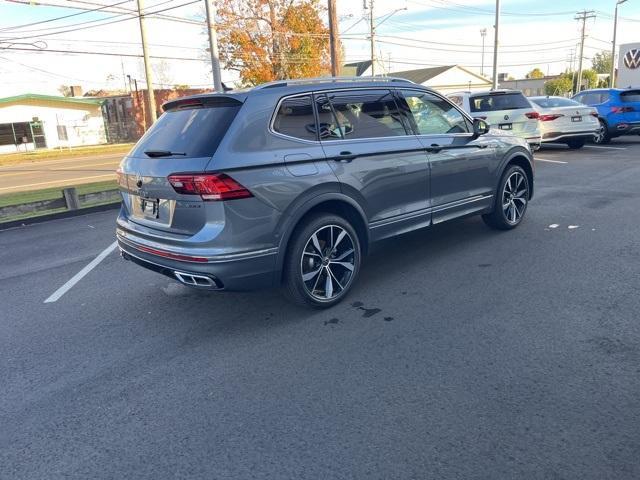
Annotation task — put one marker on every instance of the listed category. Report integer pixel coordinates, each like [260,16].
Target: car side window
[359,114]
[295,118]
[434,115]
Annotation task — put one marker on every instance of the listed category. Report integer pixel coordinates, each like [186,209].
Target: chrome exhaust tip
[195,280]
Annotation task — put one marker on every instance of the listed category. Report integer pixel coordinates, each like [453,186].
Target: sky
[409,34]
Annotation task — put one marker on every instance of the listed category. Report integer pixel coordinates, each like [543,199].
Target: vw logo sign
[506,117]
[632,59]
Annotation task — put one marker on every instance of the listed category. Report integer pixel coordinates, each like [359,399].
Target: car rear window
[630,96]
[194,131]
[498,101]
[592,98]
[551,102]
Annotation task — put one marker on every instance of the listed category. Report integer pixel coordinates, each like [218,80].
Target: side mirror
[480,127]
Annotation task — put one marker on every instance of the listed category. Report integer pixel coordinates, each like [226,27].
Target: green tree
[589,80]
[65,90]
[602,62]
[559,86]
[535,73]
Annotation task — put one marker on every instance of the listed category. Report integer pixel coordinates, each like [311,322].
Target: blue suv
[618,111]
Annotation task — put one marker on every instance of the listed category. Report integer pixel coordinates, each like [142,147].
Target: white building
[33,121]
[445,79]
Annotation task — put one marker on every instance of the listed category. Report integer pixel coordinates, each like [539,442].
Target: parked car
[505,109]
[563,120]
[290,182]
[618,111]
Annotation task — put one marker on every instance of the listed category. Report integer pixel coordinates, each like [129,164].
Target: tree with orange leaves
[267,40]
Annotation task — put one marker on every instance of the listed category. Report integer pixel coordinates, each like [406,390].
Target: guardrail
[70,200]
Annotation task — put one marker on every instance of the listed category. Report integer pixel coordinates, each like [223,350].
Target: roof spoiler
[201,101]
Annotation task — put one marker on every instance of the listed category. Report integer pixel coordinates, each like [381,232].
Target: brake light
[594,114]
[210,186]
[622,109]
[532,115]
[550,117]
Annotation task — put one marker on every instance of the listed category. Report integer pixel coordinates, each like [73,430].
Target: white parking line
[607,148]
[546,160]
[81,274]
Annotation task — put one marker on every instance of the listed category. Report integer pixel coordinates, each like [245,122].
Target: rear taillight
[121,178]
[550,117]
[594,114]
[210,186]
[532,115]
[622,109]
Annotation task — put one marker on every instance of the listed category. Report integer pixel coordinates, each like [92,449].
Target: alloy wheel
[514,197]
[600,134]
[328,262]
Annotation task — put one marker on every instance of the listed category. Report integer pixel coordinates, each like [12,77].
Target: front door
[461,165]
[376,157]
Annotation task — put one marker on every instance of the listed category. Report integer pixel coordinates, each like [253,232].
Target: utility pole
[612,76]
[583,16]
[372,32]
[495,47]
[213,44]
[147,66]
[483,34]
[334,39]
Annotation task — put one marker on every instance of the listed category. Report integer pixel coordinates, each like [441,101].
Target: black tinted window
[195,132]
[295,118]
[630,96]
[551,102]
[498,101]
[361,114]
[434,115]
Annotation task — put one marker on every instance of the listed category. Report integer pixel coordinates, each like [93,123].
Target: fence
[70,200]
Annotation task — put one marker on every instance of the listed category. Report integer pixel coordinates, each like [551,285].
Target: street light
[483,34]
[613,48]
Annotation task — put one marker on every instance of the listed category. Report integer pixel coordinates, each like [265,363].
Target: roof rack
[305,81]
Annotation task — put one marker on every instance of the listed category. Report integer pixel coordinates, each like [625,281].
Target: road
[58,172]
[462,353]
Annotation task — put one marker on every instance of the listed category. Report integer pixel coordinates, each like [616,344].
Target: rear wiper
[162,153]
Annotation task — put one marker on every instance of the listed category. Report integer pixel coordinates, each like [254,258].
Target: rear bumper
[560,136]
[236,272]
[534,140]
[624,128]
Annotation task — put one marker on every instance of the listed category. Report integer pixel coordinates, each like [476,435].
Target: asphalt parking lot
[462,353]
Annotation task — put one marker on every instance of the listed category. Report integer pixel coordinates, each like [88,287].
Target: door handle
[434,148]
[345,157]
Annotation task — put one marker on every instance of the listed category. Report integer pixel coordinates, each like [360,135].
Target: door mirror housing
[480,127]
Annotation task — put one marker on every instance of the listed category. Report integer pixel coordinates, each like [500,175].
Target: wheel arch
[331,202]
[524,160]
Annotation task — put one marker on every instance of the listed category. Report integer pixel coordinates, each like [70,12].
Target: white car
[507,110]
[563,120]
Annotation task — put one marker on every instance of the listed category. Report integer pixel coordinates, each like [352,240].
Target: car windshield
[498,101]
[551,102]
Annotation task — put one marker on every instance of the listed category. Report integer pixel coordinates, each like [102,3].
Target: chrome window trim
[393,88]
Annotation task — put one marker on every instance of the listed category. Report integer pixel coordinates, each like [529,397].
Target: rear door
[462,167]
[183,140]
[509,111]
[375,156]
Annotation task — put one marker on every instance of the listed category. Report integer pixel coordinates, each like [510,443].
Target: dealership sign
[628,66]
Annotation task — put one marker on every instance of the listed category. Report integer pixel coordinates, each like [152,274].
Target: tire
[602,137]
[576,144]
[511,200]
[315,274]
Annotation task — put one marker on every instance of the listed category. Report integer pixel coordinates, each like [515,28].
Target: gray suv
[290,182]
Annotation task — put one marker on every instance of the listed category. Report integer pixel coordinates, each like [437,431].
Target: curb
[56,216]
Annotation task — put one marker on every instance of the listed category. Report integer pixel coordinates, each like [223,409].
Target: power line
[63,17]
[103,24]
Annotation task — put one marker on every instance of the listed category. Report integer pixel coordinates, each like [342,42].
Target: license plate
[149,207]
[576,119]
[505,126]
